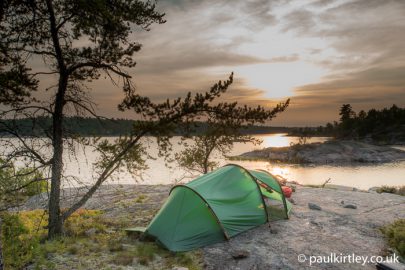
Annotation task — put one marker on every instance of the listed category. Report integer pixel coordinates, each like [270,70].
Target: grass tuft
[123,258]
[145,252]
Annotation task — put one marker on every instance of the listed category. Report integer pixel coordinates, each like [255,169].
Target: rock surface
[313,206]
[334,229]
[340,152]
[239,254]
[350,206]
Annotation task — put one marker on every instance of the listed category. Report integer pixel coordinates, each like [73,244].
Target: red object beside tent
[287,191]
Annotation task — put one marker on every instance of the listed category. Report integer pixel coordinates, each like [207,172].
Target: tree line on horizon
[383,126]
[104,127]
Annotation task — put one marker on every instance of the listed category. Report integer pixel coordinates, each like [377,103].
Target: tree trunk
[208,152]
[205,167]
[206,160]
[55,217]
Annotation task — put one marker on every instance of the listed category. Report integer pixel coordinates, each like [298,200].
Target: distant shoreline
[337,152]
[91,127]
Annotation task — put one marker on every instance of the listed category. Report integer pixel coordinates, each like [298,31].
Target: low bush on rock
[395,234]
[394,190]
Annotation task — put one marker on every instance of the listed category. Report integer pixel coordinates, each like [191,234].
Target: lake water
[362,177]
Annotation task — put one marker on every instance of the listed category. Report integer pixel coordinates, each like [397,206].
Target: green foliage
[21,235]
[32,182]
[18,184]
[132,158]
[395,234]
[390,189]
[82,221]
[146,253]
[196,157]
[16,252]
[23,240]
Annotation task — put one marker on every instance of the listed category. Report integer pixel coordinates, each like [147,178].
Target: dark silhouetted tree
[77,42]
[346,113]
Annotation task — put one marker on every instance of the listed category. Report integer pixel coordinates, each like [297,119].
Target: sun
[278,80]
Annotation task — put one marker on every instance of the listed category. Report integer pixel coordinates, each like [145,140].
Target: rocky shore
[337,152]
[323,221]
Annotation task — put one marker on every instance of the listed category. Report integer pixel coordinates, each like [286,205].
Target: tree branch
[26,185]
[109,169]
[98,66]
[28,148]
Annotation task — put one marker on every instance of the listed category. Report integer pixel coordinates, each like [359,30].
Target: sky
[318,53]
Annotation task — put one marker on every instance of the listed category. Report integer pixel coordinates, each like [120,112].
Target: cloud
[193,58]
[359,43]
[299,20]
[321,53]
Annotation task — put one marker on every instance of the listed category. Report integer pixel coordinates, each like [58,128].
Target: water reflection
[362,177]
[282,140]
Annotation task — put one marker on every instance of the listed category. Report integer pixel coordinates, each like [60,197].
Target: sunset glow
[276,79]
[320,54]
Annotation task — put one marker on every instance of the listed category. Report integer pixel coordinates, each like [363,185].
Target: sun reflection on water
[275,140]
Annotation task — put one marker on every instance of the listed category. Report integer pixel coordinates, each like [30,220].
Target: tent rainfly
[215,207]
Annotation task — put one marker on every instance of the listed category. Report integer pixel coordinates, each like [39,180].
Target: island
[333,151]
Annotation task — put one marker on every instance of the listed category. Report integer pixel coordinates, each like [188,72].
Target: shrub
[18,250]
[23,232]
[18,184]
[393,190]
[83,220]
[35,187]
[395,234]
[401,191]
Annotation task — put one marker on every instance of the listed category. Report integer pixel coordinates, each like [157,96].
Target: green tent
[215,207]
